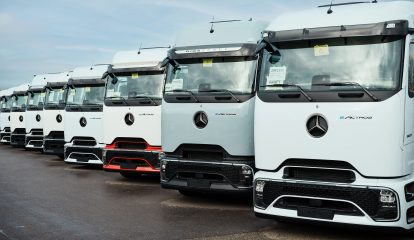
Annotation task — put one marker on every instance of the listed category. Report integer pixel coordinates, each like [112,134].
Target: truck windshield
[19,101]
[86,95]
[5,104]
[132,85]
[55,96]
[35,99]
[235,74]
[373,63]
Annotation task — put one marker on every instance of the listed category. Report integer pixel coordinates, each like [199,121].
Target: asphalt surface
[41,197]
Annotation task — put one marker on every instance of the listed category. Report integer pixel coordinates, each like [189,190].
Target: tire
[130,175]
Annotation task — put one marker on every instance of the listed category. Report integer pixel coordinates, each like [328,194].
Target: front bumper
[18,140]
[34,142]
[356,203]
[207,176]
[83,155]
[117,160]
[5,136]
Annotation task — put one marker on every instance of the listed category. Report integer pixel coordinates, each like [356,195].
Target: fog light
[388,198]
[259,186]
[246,170]
[161,156]
[388,209]
[163,168]
[409,192]
[258,194]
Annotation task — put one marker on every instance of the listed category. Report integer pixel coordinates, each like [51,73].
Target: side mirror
[275,57]
[105,75]
[165,62]
[260,47]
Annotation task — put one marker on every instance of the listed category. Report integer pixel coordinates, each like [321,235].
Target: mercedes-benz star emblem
[59,118]
[129,119]
[83,122]
[317,126]
[200,120]
[21,118]
[38,118]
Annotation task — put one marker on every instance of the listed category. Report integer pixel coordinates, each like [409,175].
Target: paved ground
[43,198]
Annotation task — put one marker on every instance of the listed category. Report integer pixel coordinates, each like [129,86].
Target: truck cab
[54,110]
[17,116]
[6,103]
[34,113]
[334,117]
[207,109]
[132,112]
[83,116]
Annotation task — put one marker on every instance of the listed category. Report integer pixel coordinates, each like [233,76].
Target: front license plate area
[316,213]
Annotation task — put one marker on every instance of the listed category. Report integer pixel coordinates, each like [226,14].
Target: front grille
[193,155]
[83,157]
[36,132]
[131,145]
[318,174]
[19,131]
[129,163]
[6,130]
[150,157]
[316,163]
[337,207]
[77,150]
[229,172]
[84,142]
[367,199]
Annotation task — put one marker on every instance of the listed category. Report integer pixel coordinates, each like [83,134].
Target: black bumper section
[207,177]
[36,141]
[5,136]
[54,146]
[18,140]
[150,156]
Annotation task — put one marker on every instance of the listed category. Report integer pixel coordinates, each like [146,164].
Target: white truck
[6,102]
[83,116]
[208,107]
[132,112]
[334,116]
[34,113]
[17,116]
[54,109]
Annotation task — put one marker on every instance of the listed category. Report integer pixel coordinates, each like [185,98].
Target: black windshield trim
[360,30]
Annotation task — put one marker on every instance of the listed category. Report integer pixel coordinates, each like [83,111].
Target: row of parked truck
[314,112]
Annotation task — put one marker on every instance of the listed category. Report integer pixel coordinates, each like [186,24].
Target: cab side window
[411,72]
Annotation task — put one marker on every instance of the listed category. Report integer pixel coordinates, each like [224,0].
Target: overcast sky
[46,36]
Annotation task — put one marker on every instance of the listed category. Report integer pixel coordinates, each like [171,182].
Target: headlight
[161,156]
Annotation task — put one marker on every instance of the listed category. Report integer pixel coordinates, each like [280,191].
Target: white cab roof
[89,72]
[38,81]
[146,58]
[58,77]
[366,13]
[21,88]
[224,33]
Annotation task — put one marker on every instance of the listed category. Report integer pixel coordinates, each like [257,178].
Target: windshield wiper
[186,91]
[223,91]
[334,84]
[122,98]
[147,97]
[291,85]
